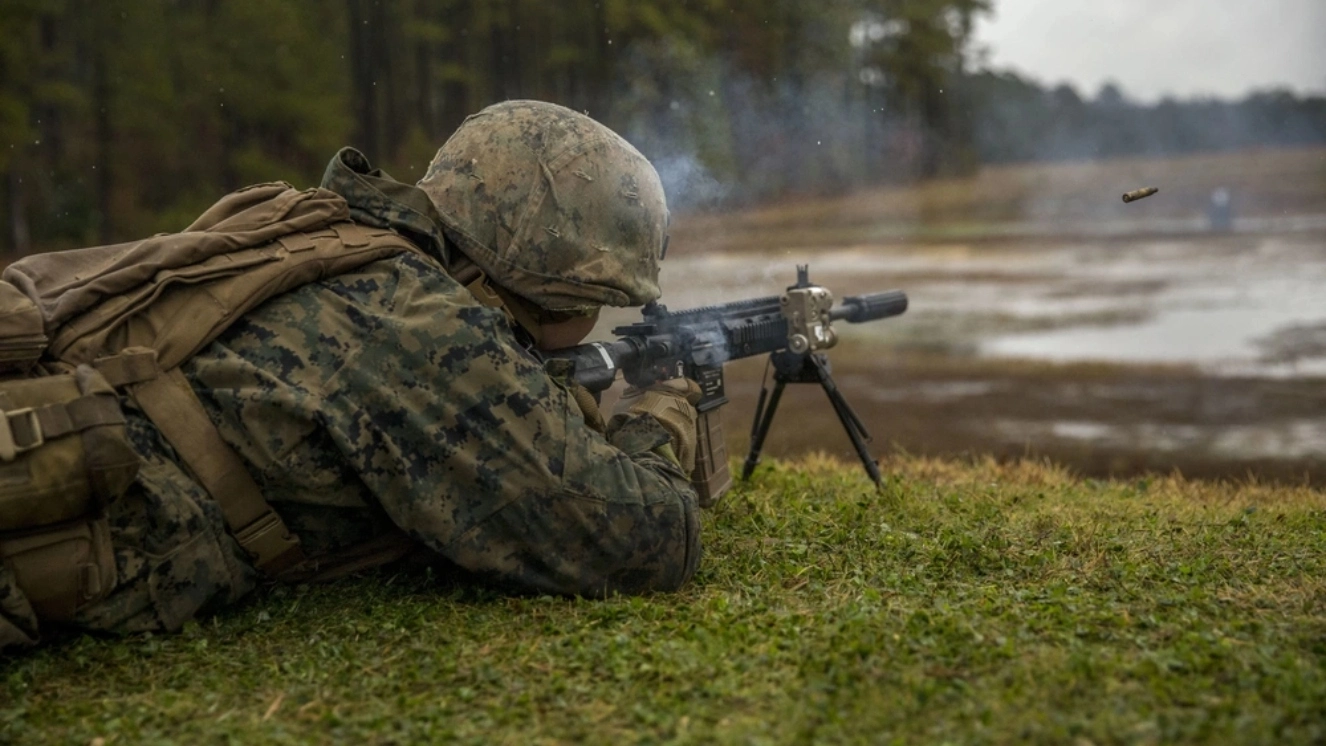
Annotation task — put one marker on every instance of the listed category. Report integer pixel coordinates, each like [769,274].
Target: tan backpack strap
[78,415]
[493,296]
[128,367]
[24,429]
[170,402]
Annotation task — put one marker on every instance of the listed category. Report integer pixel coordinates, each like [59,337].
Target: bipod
[792,367]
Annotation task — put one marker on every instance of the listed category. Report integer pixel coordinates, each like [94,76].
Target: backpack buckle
[10,448]
[270,544]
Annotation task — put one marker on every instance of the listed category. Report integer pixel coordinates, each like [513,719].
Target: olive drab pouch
[63,458]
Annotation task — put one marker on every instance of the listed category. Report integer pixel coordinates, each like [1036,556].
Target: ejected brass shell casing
[1137,194]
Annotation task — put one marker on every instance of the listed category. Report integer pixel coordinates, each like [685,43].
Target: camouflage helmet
[552,205]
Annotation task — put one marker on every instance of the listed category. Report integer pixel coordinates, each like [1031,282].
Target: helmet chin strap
[518,311]
[461,268]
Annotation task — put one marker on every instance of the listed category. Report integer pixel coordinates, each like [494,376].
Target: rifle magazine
[712,478]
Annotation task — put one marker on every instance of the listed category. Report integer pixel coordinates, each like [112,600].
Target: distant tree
[1020,120]
[1110,96]
[125,118]
[919,48]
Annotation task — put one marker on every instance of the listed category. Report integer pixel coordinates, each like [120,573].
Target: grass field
[966,603]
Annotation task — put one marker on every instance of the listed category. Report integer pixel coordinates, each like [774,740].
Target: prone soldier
[371,411]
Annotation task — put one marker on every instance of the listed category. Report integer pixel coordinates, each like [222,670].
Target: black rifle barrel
[872,307]
[597,363]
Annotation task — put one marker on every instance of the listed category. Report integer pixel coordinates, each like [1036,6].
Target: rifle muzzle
[871,307]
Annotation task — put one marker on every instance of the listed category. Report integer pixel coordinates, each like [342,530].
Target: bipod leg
[856,431]
[760,427]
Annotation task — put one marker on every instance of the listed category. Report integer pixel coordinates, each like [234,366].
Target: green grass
[967,603]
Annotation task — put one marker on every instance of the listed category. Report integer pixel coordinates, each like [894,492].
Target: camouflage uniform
[387,399]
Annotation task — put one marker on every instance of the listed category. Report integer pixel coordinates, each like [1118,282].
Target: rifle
[793,328]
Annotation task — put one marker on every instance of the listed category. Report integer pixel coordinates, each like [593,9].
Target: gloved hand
[672,403]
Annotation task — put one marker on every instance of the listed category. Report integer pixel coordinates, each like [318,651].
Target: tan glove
[672,403]
[589,407]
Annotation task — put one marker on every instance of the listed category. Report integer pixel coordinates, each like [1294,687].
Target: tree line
[120,119]
[123,118]
[1022,120]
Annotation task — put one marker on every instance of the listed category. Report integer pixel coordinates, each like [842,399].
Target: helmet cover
[552,205]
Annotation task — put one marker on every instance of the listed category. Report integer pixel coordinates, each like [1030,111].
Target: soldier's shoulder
[326,321]
[379,283]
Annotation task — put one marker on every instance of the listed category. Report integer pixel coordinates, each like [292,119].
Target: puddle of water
[1206,303]
[933,391]
[1294,439]
[1081,430]
[1220,340]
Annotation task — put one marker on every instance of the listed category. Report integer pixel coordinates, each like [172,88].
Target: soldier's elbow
[662,558]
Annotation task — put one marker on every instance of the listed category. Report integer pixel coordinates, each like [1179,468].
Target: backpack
[80,327]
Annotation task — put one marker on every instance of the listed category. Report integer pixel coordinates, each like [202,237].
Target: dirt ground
[1268,189]
[1100,420]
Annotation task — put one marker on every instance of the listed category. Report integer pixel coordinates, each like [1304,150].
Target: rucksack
[79,327]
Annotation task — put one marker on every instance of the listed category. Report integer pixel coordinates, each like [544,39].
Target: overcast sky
[1152,48]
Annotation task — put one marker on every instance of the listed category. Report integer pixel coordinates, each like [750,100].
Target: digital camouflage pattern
[173,555]
[388,397]
[552,205]
[376,199]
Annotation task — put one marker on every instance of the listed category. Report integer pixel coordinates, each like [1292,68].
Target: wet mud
[1099,420]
